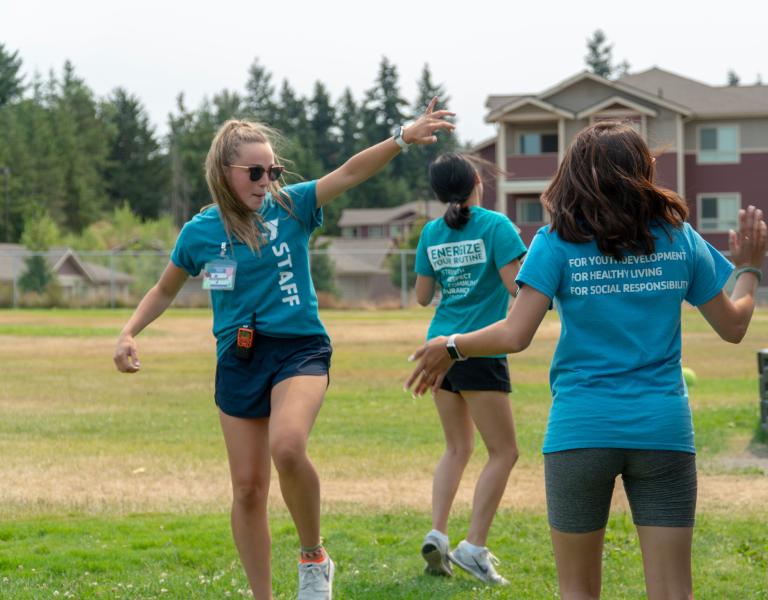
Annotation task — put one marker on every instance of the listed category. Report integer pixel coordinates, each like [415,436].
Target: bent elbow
[424,301]
[735,335]
[518,345]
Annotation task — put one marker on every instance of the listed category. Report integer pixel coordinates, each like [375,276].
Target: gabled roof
[608,103]
[703,100]
[520,102]
[352,217]
[620,85]
[13,262]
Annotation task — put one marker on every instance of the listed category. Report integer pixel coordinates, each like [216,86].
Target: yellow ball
[690,376]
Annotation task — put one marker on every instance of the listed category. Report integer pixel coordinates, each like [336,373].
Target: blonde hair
[240,221]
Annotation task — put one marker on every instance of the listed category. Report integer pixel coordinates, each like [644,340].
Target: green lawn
[115,486]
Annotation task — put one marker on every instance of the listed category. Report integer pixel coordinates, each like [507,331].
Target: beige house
[77,278]
[362,255]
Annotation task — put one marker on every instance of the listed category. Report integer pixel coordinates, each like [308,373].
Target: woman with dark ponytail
[473,254]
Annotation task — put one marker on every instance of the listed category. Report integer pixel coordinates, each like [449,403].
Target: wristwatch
[398,132]
[453,351]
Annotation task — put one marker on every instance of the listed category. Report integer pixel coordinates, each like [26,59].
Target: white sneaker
[316,580]
[435,553]
[478,564]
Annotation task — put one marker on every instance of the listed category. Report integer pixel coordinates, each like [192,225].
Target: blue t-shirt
[273,287]
[615,377]
[465,264]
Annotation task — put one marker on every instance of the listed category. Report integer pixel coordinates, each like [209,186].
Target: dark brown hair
[453,177]
[604,191]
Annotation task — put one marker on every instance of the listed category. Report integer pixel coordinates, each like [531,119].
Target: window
[719,144]
[530,211]
[375,231]
[538,143]
[347,232]
[394,231]
[718,212]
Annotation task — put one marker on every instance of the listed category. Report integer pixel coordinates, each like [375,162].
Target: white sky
[156,49]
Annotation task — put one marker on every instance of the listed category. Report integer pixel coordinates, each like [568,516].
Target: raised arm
[152,305]
[370,161]
[730,317]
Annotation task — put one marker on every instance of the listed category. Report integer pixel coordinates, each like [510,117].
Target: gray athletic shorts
[660,486]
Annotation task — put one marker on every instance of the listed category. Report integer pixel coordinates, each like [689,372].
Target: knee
[460,452]
[506,454]
[250,495]
[288,455]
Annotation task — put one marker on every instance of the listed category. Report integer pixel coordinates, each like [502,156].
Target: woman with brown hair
[617,261]
[273,353]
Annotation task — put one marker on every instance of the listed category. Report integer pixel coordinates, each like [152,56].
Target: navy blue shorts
[478,374]
[244,386]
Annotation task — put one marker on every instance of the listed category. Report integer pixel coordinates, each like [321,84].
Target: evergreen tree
[599,54]
[228,105]
[733,78]
[418,163]
[383,106]
[11,86]
[188,141]
[322,122]
[82,145]
[137,170]
[259,97]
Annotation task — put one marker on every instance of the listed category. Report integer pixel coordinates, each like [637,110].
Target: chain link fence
[348,277]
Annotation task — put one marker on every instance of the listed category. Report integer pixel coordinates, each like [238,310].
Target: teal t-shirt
[616,376]
[273,287]
[465,264]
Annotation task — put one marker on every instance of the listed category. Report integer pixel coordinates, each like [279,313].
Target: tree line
[71,158]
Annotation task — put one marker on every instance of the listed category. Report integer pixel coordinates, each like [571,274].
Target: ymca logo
[272,228]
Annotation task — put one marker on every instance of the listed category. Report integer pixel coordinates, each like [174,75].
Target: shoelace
[313,573]
[486,556]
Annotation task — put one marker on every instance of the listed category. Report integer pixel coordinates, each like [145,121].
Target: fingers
[432,104]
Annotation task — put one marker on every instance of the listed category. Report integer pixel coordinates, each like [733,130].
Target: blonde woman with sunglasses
[252,246]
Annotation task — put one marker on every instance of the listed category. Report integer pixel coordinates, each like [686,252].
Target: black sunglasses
[256,173]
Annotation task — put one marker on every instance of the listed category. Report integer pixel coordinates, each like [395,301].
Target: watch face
[396,131]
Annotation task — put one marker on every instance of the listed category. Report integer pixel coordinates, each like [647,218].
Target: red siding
[526,231]
[749,178]
[542,166]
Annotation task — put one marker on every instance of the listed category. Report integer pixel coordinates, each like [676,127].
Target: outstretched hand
[424,129]
[433,363]
[748,246]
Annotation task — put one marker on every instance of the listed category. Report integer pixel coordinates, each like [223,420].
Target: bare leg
[667,562]
[579,560]
[492,415]
[247,442]
[295,404]
[459,442]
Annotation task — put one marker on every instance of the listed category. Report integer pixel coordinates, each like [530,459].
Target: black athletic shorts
[478,375]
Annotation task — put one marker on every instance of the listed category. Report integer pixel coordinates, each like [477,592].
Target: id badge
[219,275]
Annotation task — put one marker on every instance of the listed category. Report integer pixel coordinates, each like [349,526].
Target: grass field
[116,486]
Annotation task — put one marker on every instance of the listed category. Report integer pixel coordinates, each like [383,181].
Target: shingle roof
[351,217]
[703,99]
[12,262]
